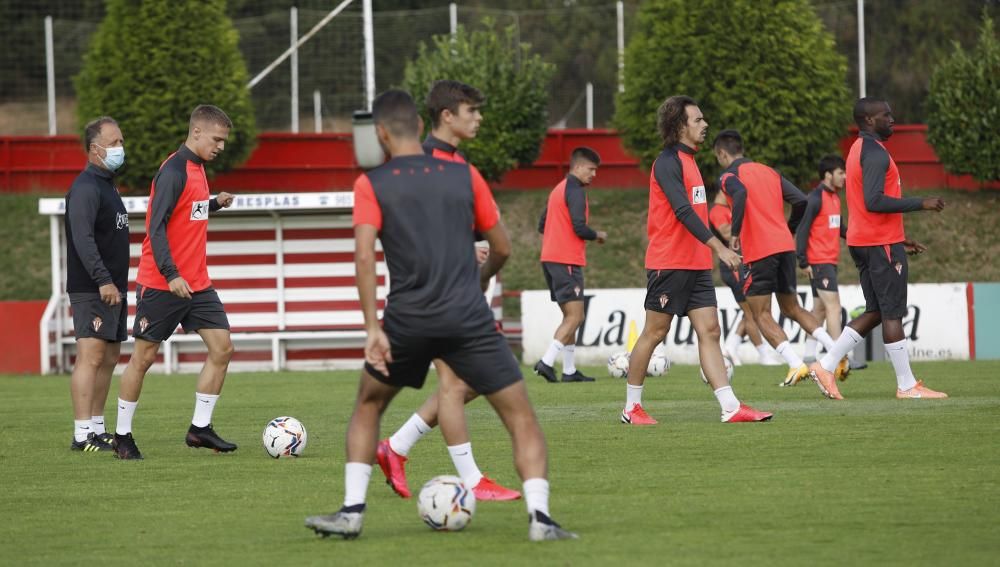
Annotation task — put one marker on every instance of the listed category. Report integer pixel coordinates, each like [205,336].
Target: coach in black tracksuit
[97,258]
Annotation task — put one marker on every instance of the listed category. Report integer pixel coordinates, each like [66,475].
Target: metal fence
[330,65]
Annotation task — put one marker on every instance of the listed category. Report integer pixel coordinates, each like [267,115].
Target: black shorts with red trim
[484,362]
[92,318]
[158,312]
[565,282]
[771,274]
[676,292]
[883,273]
[824,278]
[732,279]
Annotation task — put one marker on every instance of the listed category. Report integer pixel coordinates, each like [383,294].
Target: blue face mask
[115,157]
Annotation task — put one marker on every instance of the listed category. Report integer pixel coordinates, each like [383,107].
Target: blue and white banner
[936,323]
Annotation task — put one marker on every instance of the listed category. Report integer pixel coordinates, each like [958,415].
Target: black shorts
[678,291]
[92,318]
[771,274]
[158,312]
[824,278]
[733,280]
[565,282]
[883,273]
[483,362]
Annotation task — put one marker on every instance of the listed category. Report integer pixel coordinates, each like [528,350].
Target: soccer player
[565,233]
[97,255]
[424,211]
[817,245]
[455,116]
[757,195]
[679,263]
[879,246]
[173,286]
[720,219]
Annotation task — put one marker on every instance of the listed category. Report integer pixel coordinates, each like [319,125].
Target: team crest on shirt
[899,268]
[199,210]
[826,282]
[143,325]
[698,195]
[96,324]
[663,300]
[576,290]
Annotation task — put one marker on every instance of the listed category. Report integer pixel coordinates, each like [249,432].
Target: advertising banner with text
[936,323]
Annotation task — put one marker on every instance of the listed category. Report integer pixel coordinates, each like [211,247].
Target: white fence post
[293,16]
[317,112]
[369,34]
[621,46]
[862,87]
[50,74]
[453,19]
[590,106]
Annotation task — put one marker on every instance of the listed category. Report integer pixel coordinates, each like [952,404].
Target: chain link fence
[579,38]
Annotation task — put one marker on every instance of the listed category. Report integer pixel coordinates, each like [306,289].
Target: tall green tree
[767,69]
[963,108]
[514,80]
[149,64]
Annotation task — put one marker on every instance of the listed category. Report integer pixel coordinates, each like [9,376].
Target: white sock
[810,351]
[727,399]
[204,404]
[849,339]
[407,436]
[569,364]
[356,477]
[81,429]
[536,495]
[550,355]
[633,396]
[97,422]
[126,410]
[465,464]
[788,353]
[901,364]
[820,334]
[733,342]
[763,351]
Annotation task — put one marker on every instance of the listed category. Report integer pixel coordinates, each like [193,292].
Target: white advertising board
[936,323]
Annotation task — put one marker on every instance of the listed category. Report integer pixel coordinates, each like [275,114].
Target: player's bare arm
[376,343]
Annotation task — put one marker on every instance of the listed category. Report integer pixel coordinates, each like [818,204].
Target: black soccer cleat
[576,377]
[92,444]
[207,437]
[546,371]
[125,448]
[107,438]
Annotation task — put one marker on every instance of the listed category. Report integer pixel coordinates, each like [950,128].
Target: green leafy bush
[963,108]
[515,83]
[767,69]
[149,64]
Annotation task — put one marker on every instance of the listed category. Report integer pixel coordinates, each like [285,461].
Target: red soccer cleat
[637,416]
[393,466]
[489,489]
[746,414]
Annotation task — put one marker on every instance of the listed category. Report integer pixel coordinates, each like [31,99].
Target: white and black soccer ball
[659,365]
[618,365]
[284,437]
[729,369]
[445,504]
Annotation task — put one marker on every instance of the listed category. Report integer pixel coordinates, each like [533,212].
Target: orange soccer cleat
[637,416]
[920,392]
[825,381]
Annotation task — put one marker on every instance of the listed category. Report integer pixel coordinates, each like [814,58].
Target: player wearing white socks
[565,233]
[879,248]
[765,239]
[455,116]
[679,264]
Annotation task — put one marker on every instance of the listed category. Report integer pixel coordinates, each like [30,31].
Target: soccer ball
[445,504]
[658,365]
[618,365]
[729,370]
[284,437]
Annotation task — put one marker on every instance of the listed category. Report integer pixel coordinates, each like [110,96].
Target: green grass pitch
[870,480]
